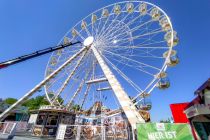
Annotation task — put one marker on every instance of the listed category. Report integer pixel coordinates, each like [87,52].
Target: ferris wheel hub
[88,41]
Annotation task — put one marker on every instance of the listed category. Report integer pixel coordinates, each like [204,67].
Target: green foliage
[165,121]
[35,103]
[10,101]
[76,107]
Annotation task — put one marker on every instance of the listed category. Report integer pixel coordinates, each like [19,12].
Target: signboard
[178,112]
[33,118]
[61,132]
[164,131]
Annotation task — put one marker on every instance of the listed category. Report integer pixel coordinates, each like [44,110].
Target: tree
[35,103]
[165,121]
[76,107]
[10,101]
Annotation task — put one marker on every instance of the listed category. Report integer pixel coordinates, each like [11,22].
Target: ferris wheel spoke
[137,47]
[85,95]
[104,25]
[79,89]
[55,79]
[138,37]
[135,67]
[109,28]
[81,36]
[136,87]
[111,24]
[120,36]
[69,77]
[79,74]
[50,83]
[141,25]
[141,63]
[144,56]
[98,27]
[156,31]
[148,86]
[87,31]
[70,69]
[61,59]
[114,36]
[143,42]
[112,31]
[128,24]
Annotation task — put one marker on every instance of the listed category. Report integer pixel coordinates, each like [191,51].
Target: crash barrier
[92,132]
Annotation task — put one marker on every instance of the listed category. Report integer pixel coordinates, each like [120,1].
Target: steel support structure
[93,81]
[128,107]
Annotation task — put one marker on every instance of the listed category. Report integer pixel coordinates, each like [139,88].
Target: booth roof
[205,85]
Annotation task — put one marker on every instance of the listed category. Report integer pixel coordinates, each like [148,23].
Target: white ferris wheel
[125,51]
[128,48]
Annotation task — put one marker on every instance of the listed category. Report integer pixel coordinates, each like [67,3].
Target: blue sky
[27,26]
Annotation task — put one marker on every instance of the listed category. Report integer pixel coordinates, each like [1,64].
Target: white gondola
[143,9]
[93,18]
[144,94]
[164,24]
[53,61]
[49,71]
[83,25]
[129,7]
[59,52]
[105,13]
[66,40]
[163,83]
[117,9]
[161,75]
[173,59]
[74,32]
[146,104]
[167,37]
[155,14]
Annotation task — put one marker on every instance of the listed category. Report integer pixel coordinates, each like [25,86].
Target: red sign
[178,112]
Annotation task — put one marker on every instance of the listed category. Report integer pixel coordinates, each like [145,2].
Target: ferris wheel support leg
[128,107]
[37,87]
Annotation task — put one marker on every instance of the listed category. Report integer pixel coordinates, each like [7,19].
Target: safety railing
[7,127]
[78,132]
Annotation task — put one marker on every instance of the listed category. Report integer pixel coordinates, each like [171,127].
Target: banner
[164,131]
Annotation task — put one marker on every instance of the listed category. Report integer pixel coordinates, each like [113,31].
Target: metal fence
[7,127]
[92,132]
[70,132]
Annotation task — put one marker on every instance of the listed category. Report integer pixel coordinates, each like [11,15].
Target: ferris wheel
[127,47]
[128,44]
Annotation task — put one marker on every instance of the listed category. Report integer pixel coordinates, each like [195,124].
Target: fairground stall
[198,111]
[47,119]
